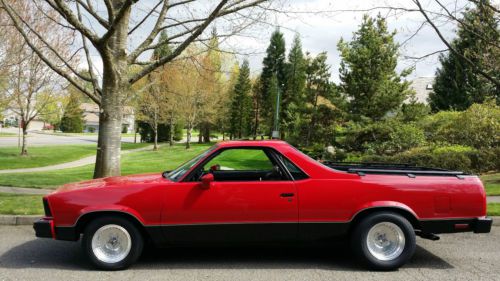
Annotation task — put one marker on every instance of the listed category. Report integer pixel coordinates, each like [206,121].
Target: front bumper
[476,225]
[44,228]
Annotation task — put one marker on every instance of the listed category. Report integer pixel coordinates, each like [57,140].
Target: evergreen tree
[293,99]
[163,50]
[72,120]
[317,92]
[458,85]
[273,78]
[367,70]
[241,104]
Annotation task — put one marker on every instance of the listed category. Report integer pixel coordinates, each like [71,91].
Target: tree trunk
[172,131]
[206,133]
[114,91]
[200,133]
[24,148]
[155,145]
[188,136]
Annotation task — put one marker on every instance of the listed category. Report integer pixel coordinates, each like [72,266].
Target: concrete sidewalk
[73,164]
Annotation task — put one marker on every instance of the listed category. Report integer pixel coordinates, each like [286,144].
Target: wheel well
[84,220]
[366,212]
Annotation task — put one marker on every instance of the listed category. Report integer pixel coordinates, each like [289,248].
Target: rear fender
[372,206]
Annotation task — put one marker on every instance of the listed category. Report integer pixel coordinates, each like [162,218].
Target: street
[35,138]
[454,257]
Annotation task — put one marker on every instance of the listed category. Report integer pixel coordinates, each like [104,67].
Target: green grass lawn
[491,183]
[7,134]
[494,209]
[166,158]
[13,204]
[39,156]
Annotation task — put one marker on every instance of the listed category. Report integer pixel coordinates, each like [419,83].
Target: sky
[320,25]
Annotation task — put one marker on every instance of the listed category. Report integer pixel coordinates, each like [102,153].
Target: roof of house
[422,87]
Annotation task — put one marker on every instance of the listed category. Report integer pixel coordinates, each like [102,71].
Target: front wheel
[384,241]
[112,243]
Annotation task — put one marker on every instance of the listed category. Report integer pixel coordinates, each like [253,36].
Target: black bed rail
[390,168]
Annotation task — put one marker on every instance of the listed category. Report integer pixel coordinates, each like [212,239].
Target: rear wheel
[384,241]
[112,243]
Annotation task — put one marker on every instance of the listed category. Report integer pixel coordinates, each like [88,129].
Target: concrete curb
[28,220]
[18,220]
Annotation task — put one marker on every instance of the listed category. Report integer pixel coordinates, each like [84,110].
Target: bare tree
[30,82]
[185,21]
[152,106]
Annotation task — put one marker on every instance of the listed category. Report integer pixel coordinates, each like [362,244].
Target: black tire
[360,245]
[137,242]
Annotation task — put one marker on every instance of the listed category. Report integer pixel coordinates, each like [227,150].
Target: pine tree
[457,84]
[241,104]
[72,120]
[293,99]
[367,70]
[318,87]
[273,78]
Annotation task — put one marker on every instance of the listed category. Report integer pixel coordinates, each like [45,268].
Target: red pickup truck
[266,191]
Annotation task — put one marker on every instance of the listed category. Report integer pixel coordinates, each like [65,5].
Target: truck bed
[390,168]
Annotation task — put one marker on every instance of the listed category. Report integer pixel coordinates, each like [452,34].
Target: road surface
[454,257]
[35,139]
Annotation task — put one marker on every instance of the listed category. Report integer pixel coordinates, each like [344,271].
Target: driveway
[454,257]
[35,138]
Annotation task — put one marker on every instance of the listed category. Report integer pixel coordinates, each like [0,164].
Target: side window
[296,172]
[240,159]
[243,164]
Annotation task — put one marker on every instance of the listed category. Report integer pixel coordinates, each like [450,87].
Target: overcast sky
[321,31]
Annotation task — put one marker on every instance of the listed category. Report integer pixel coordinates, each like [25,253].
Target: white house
[91,118]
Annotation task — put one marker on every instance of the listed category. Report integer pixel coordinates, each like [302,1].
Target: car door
[251,199]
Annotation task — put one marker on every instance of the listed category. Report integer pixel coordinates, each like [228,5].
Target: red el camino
[266,191]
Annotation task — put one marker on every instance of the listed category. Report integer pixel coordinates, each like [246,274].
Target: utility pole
[276,131]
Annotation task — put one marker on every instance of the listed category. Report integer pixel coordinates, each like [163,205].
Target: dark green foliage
[367,70]
[147,134]
[382,138]
[461,158]
[293,97]
[413,111]
[163,50]
[72,119]
[458,85]
[241,104]
[273,78]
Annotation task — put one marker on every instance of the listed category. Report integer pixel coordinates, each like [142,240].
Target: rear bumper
[44,228]
[476,225]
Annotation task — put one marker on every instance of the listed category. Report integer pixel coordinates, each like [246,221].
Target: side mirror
[206,181]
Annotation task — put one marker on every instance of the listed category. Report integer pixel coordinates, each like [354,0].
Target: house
[11,118]
[422,87]
[91,118]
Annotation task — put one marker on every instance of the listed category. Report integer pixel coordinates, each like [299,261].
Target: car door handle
[287,194]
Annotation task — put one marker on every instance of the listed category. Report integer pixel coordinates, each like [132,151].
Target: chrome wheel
[385,241]
[111,243]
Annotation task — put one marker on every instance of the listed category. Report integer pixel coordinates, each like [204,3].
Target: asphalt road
[454,257]
[35,139]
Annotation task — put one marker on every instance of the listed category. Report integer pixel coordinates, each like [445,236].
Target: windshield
[177,174]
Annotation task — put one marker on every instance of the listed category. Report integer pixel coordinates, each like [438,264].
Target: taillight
[46,208]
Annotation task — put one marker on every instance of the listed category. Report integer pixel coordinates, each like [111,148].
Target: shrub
[478,126]
[453,157]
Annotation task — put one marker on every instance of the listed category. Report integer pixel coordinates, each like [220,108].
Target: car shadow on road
[45,253]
